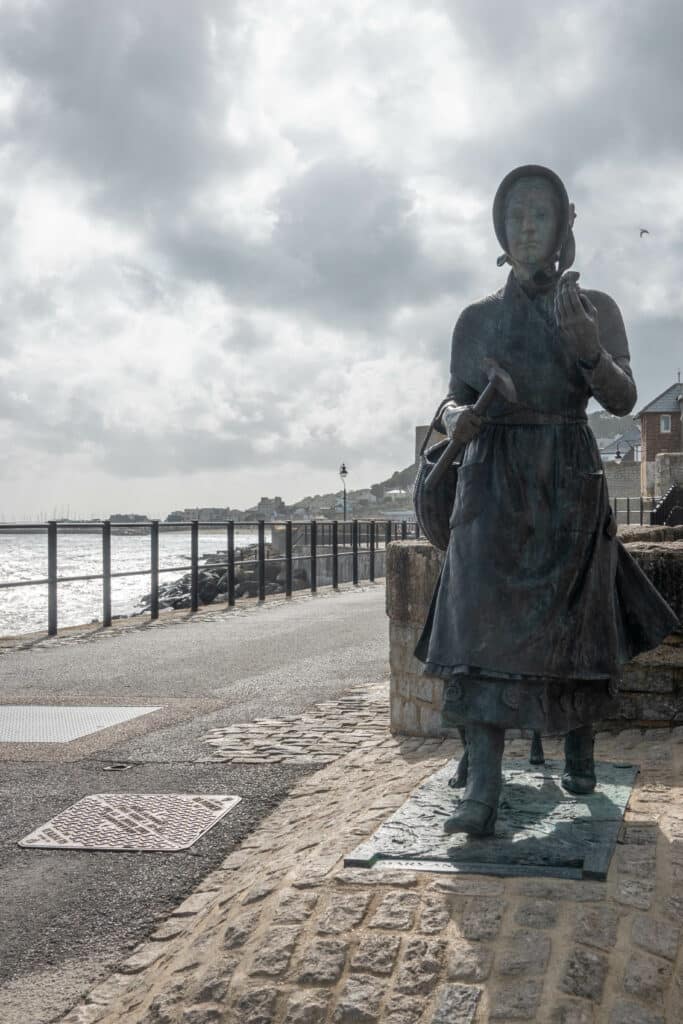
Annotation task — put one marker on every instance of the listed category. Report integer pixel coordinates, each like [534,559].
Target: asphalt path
[69,917]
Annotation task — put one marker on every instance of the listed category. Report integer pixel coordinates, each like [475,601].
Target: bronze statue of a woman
[538,603]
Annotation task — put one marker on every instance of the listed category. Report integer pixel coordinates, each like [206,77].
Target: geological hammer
[500,382]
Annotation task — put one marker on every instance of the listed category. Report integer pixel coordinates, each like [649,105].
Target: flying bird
[644,231]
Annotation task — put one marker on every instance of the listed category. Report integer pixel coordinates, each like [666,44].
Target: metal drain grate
[132,821]
[36,723]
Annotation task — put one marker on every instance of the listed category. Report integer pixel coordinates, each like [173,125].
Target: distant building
[269,507]
[626,447]
[128,517]
[204,515]
[339,505]
[397,495]
[364,497]
[421,433]
[661,430]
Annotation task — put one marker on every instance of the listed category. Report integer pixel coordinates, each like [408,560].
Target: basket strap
[433,426]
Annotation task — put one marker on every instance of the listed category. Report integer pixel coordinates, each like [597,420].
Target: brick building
[661,430]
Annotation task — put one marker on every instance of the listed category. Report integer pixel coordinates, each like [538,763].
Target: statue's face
[531,222]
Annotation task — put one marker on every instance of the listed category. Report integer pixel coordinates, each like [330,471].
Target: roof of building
[668,401]
[625,442]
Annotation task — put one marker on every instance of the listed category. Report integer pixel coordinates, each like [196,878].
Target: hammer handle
[453,447]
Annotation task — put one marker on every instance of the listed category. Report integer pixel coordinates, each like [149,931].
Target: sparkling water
[23,556]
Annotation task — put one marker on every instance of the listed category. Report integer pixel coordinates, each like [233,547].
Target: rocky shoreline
[212,587]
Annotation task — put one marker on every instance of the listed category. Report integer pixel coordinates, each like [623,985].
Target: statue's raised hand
[577,318]
[461,423]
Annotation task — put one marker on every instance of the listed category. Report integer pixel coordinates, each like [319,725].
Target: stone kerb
[652,691]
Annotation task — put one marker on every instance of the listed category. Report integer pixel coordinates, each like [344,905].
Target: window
[665,424]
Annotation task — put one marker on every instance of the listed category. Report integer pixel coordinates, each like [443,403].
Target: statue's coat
[534,583]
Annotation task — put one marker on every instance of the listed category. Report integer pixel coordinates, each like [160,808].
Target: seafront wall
[652,692]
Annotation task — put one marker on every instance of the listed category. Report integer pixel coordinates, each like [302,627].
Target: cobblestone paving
[282,933]
[331,729]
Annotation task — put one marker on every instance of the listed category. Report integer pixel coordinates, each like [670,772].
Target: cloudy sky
[236,235]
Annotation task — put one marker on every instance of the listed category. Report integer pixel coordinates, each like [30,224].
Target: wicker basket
[433,506]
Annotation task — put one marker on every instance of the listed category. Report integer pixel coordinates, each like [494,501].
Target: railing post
[354,549]
[387,533]
[417,530]
[616,510]
[641,510]
[52,578]
[404,529]
[628,511]
[106,573]
[314,556]
[335,555]
[194,565]
[372,550]
[261,560]
[288,558]
[231,564]
[154,567]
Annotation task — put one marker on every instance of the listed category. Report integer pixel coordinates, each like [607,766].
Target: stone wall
[623,480]
[668,471]
[652,693]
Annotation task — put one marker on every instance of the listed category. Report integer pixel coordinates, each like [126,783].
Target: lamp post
[343,473]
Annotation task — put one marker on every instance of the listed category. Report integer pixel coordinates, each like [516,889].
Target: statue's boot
[477,811]
[579,767]
[459,780]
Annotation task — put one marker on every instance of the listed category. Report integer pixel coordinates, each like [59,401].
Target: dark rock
[456,1004]
[516,1001]
[585,974]
[647,977]
[597,926]
[322,962]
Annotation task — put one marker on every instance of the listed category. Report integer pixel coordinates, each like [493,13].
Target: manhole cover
[132,821]
[35,723]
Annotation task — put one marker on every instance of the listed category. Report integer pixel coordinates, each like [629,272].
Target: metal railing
[315,540]
[633,511]
[669,509]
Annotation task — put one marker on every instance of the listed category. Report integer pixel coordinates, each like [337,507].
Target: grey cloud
[123,94]
[501,34]
[628,112]
[244,338]
[119,448]
[657,352]
[27,306]
[345,249]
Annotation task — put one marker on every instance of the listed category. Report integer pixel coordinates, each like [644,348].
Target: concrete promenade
[67,916]
[279,932]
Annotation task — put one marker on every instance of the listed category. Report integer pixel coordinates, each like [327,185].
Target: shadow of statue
[539,827]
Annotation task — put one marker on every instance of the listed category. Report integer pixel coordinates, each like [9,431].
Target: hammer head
[500,379]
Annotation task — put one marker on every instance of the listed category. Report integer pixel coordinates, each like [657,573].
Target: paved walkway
[282,933]
[68,917]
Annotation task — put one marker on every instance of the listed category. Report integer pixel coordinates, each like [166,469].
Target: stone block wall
[623,480]
[652,693]
[668,471]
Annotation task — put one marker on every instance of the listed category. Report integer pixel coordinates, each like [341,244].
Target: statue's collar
[543,284]
[536,303]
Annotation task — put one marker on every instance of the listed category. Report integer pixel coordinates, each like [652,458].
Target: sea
[23,556]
